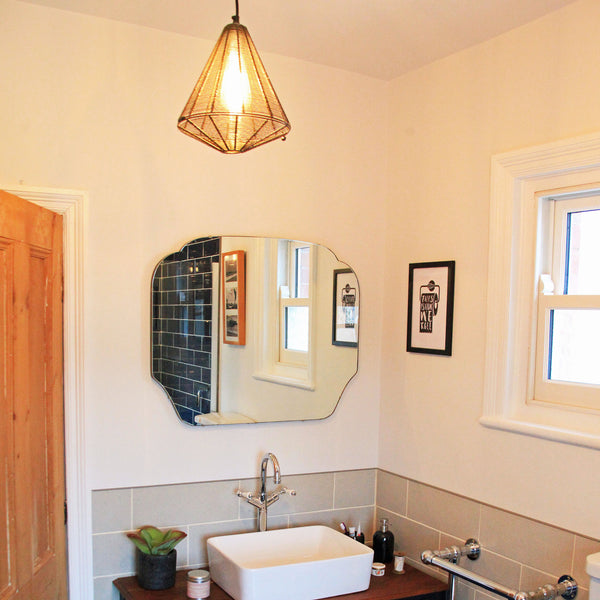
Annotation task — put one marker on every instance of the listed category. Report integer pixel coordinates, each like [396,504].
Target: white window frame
[551,297]
[518,182]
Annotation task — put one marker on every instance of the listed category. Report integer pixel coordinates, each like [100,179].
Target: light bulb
[235,86]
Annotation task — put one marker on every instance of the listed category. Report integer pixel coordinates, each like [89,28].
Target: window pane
[302,272]
[583,264]
[296,328]
[574,347]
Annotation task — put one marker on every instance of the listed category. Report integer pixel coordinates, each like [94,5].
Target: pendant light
[234,107]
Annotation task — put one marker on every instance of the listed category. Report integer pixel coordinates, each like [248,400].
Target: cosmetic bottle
[360,536]
[383,543]
[352,532]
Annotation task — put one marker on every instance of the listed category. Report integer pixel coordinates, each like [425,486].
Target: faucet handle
[242,494]
[288,491]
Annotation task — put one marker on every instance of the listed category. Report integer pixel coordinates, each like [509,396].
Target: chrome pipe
[565,588]
[428,557]
[451,593]
[471,550]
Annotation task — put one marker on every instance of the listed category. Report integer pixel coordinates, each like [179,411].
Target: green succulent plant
[151,540]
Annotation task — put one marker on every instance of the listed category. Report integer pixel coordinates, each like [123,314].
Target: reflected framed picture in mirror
[345,308]
[234,297]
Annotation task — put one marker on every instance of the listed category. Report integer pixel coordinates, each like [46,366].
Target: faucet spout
[263,500]
[263,473]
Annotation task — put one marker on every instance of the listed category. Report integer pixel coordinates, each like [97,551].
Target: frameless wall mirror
[253,330]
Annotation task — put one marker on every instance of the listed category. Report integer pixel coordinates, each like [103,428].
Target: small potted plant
[155,556]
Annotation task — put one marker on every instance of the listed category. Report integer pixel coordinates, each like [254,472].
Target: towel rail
[446,559]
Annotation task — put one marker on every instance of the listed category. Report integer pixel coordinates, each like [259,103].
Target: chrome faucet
[265,500]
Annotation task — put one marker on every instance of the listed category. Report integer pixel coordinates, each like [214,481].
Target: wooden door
[32,488]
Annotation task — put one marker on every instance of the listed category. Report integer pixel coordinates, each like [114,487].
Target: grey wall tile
[452,514]
[583,547]
[529,542]
[481,594]
[111,510]
[391,492]
[113,554]
[463,591]
[531,579]
[410,537]
[189,503]
[354,488]
[104,589]
[313,492]
[200,533]
[333,518]
[583,594]
[493,566]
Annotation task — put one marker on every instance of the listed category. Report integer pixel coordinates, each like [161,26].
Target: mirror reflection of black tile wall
[182,289]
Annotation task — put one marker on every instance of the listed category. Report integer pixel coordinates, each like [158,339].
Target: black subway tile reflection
[182,327]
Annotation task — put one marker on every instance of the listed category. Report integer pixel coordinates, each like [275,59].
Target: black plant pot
[155,571]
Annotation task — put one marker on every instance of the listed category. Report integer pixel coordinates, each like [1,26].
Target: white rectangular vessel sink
[300,563]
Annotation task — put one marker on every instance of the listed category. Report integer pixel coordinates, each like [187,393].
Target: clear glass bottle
[383,543]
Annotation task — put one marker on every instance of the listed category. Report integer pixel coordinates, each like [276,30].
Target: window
[568,326]
[543,305]
[294,305]
[287,313]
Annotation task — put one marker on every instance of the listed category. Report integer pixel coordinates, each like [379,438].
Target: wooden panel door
[32,488]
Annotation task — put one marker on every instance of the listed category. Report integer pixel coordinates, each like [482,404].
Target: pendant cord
[236,17]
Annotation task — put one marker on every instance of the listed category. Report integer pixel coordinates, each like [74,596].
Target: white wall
[92,104]
[533,85]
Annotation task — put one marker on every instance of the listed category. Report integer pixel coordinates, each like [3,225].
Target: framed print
[430,307]
[345,308]
[233,281]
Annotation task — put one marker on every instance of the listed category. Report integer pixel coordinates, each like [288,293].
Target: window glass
[574,342]
[583,253]
[296,328]
[302,274]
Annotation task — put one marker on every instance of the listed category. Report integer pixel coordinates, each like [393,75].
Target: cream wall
[533,85]
[92,104]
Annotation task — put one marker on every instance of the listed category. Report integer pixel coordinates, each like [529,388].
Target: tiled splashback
[516,552]
[212,508]
[182,325]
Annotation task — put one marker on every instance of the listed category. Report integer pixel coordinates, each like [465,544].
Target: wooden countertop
[412,584]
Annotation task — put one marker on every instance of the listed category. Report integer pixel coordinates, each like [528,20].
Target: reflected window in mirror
[294,262]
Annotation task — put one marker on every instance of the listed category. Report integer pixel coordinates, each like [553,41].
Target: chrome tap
[265,500]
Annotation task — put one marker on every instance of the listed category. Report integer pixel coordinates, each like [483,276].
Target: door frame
[71,204]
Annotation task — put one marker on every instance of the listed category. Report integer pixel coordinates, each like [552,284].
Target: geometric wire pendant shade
[234,107]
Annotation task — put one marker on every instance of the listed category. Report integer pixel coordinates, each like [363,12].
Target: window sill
[304,384]
[566,435]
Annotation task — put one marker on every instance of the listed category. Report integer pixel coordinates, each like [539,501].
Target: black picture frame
[430,307]
[346,298]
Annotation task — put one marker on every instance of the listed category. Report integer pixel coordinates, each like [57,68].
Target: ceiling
[379,38]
